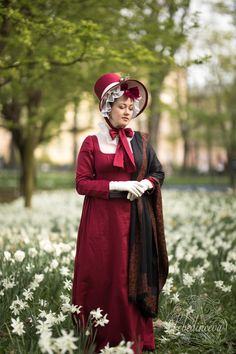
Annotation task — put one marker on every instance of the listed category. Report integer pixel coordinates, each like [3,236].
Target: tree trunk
[186,154]
[75,131]
[184,130]
[12,158]
[27,177]
[196,155]
[154,119]
[232,168]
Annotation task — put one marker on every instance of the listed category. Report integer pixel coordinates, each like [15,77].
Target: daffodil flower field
[197,312]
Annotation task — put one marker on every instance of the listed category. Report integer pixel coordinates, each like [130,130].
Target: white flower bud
[19,255]
[7,255]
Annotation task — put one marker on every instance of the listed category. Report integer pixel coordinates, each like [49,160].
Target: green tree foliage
[38,45]
[47,51]
[164,33]
[51,51]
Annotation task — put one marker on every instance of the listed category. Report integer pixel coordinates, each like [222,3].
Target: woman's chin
[124,123]
[120,124]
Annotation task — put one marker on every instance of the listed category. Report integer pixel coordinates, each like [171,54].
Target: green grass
[66,179]
[198,180]
[44,181]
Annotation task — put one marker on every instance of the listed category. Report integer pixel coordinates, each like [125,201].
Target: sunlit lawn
[65,179]
[197,306]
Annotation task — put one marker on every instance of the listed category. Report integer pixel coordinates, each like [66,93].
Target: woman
[121,261]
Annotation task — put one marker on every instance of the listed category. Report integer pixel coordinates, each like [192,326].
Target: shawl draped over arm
[148,259]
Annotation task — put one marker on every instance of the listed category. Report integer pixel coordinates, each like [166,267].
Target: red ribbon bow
[123,147]
[132,92]
[114,132]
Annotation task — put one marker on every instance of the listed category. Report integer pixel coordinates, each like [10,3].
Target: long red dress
[101,262]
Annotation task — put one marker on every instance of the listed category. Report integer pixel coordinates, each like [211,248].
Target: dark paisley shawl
[148,260]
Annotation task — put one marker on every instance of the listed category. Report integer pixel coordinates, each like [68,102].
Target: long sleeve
[86,182]
[155,170]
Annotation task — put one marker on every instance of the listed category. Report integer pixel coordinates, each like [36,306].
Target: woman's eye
[123,107]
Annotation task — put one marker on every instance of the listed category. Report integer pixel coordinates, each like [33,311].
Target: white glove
[133,187]
[146,184]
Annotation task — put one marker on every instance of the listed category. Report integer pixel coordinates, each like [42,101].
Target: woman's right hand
[133,187]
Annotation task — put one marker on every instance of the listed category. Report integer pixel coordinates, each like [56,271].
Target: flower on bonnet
[132,92]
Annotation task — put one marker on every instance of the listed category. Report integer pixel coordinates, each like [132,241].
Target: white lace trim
[111,96]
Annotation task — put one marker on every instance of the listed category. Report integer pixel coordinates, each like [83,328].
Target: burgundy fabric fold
[123,156]
[132,92]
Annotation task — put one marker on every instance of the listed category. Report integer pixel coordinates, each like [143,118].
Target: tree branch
[3,83]
[52,62]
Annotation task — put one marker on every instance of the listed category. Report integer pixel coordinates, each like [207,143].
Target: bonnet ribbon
[132,92]
[123,147]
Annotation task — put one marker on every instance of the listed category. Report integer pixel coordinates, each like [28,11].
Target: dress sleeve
[86,182]
[155,171]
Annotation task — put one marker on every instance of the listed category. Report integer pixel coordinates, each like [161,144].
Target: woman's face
[121,112]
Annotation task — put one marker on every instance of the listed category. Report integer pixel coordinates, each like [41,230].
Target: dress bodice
[103,164]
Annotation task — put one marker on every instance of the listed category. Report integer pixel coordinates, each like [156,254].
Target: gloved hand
[146,184]
[134,187]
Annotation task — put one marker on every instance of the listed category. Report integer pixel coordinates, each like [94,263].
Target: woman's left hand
[146,184]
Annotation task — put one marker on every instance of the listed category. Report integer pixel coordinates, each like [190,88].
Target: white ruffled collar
[104,133]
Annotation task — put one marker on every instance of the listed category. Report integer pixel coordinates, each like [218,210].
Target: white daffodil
[122,348]
[43,302]
[8,283]
[101,321]
[18,326]
[175,298]
[75,309]
[171,328]
[28,295]
[67,307]
[96,314]
[188,280]
[19,255]
[46,343]
[167,289]
[7,255]
[46,245]
[18,305]
[65,271]
[164,339]
[61,318]
[38,278]
[220,285]
[66,343]
[49,317]
[229,267]
[67,284]
[65,298]
[43,327]
[30,267]
[54,264]
[32,252]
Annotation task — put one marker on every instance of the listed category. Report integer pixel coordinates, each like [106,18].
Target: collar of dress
[104,133]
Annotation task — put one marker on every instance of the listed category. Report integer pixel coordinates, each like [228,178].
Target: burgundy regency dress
[101,262]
